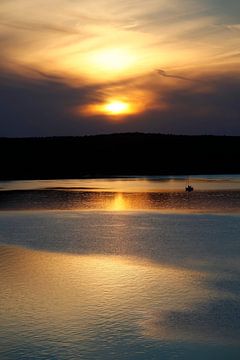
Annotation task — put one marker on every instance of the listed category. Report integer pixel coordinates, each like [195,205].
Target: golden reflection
[125,202]
[60,284]
[52,292]
[119,203]
[129,185]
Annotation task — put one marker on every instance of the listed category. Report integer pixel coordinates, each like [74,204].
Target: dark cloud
[43,106]
[43,74]
[211,107]
[214,109]
[164,74]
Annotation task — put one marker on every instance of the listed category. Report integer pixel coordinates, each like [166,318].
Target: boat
[189,188]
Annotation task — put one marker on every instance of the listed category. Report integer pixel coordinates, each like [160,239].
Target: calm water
[120,269]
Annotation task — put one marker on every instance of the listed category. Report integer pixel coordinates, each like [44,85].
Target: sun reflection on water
[119,203]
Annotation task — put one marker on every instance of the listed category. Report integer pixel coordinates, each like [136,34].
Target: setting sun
[112,107]
[117,108]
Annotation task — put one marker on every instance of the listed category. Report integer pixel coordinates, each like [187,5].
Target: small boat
[189,188]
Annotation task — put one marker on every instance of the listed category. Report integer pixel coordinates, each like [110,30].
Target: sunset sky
[75,67]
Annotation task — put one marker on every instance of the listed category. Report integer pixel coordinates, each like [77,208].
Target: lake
[127,268]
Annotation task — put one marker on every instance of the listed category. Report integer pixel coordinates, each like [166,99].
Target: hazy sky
[73,67]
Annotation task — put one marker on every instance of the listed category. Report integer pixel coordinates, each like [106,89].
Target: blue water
[119,282]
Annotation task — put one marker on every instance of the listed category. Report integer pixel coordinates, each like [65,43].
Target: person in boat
[189,188]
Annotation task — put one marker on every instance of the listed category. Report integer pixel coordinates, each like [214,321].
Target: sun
[113,108]
[116,108]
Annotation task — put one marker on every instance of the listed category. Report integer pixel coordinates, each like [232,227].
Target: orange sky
[116,48]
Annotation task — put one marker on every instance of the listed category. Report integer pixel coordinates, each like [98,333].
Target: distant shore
[118,155]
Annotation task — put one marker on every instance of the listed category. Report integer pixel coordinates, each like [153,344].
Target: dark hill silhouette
[118,154]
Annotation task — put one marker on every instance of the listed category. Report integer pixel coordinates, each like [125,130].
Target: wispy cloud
[234,27]
[64,36]
[108,48]
[39,27]
[164,74]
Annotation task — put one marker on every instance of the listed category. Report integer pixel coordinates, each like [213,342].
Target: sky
[76,67]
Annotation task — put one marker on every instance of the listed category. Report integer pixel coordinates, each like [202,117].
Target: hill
[118,154]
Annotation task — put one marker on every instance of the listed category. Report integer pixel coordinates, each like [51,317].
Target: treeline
[118,154]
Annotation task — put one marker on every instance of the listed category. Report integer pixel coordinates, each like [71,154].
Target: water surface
[111,272]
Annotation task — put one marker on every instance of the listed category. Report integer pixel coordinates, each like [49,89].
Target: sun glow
[116,108]
[112,60]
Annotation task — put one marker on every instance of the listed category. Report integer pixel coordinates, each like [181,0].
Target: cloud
[39,27]
[60,51]
[164,74]
[64,37]
[235,27]
[43,105]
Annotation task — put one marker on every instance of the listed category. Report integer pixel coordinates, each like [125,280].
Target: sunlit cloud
[85,40]
[115,47]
